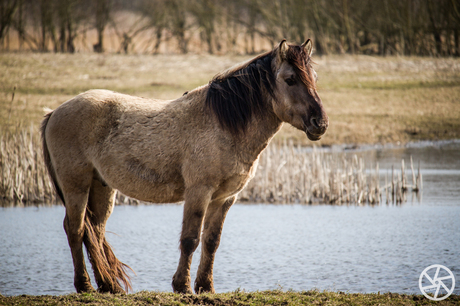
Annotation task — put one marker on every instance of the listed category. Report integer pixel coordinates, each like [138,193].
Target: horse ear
[282,50]
[308,47]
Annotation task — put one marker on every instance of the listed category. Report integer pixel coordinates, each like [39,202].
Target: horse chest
[237,181]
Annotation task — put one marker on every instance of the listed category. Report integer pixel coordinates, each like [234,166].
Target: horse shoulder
[216,162]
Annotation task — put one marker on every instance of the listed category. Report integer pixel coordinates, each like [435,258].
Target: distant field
[368,99]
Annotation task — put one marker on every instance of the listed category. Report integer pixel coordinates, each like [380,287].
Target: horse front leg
[196,203]
[212,230]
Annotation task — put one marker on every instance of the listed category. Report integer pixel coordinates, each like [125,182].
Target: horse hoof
[117,290]
[181,285]
[204,289]
[84,288]
[109,288]
[183,290]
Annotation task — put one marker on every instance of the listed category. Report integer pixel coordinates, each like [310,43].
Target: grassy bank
[275,297]
[368,99]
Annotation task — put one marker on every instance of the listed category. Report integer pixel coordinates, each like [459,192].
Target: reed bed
[23,176]
[286,174]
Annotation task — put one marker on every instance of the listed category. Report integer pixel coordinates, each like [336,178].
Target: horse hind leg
[108,270]
[75,229]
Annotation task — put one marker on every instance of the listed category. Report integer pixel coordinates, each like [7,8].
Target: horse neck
[258,135]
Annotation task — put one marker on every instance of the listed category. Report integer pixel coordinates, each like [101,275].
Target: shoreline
[419,144]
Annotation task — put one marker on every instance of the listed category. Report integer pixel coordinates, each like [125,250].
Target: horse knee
[189,245]
[211,243]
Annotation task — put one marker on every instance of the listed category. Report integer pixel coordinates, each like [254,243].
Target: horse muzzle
[316,127]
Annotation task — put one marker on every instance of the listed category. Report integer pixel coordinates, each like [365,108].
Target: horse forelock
[301,62]
[237,95]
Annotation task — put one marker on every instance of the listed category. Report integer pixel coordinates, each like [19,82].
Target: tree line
[384,27]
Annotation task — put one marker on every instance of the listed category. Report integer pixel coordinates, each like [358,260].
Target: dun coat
[202,148]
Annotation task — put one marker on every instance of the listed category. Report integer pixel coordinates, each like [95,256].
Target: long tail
[110,269]
[47,158]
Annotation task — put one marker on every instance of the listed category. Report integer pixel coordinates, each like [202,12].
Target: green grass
[274,297]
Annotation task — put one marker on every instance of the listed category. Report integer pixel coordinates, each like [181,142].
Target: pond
[300,247]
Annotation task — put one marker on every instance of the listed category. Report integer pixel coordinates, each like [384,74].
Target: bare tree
[47,27]
[102,9]
[177,13]
[155,11]
[7,10]
[67,25]
[205,14]
[455,15]
[405,27]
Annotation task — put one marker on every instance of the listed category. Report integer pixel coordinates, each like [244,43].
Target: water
[355,249]
[440,164]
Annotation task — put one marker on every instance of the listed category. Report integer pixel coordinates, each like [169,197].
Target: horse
[202,148]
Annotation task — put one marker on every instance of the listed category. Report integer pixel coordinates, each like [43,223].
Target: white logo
[438,284]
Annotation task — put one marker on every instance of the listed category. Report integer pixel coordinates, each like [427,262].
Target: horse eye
[290,81]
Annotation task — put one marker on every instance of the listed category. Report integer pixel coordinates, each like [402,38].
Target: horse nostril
[314,122]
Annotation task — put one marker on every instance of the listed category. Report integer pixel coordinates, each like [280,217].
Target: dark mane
[236,95]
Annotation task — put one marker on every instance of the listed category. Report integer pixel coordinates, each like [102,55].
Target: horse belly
[154,193]
[167,188]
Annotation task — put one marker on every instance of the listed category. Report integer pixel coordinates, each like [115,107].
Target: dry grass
[291,174]
[368,99]
[23,176]
[47,80]
[389,100]
[286,174]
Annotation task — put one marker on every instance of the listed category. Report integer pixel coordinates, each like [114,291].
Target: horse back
[148,149]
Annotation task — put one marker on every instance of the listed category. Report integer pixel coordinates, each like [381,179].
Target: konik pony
[201,148]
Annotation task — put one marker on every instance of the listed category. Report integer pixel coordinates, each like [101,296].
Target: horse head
[296,99]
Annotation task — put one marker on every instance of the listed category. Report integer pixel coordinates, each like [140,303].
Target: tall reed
[23,175]
[289,174]
[286,174]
